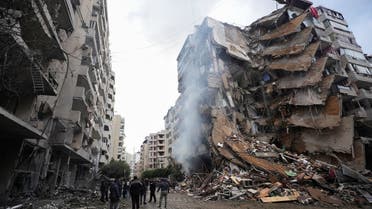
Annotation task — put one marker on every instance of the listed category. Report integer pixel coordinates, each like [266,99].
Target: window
[362,69]
[339,26]
[352,53]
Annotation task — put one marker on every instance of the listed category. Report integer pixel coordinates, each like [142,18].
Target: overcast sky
[146,37]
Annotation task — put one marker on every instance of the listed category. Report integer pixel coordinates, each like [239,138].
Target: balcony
[38,30]
[331,30]
[340,44]
[14,126]
[365,94]
[75,117]
[29,75]
[347,90]
[93,75]
[62,13]
[361,80]
[87,56]
[325,16]
[359,113]
[83,80]
[79,102]
[103,159]
[96,132]
[106,134]
[369,116]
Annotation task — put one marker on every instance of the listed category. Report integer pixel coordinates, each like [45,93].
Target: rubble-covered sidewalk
[63,198]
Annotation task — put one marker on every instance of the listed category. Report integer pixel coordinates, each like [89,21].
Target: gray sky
[146,36]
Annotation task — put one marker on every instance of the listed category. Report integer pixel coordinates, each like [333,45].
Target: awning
[13,127]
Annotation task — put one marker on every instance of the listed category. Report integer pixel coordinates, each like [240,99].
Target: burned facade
[295,78]
[57,92]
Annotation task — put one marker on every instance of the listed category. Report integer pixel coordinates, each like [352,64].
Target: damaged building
[57,94]
[295,79]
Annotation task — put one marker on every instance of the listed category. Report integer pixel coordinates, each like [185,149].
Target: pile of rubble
[271,174]
[62,198]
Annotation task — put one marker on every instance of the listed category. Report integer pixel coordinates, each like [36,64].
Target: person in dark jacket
[143,192]
[125,189]
[164,190]
[104,190]
[114,195]
[152,191]
[135,191]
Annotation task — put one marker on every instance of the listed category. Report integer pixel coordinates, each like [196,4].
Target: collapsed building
[295,79]
[57,94]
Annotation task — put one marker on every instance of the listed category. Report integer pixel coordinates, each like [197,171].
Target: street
[182,201]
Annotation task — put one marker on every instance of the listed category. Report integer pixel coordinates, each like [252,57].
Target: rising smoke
[191,147]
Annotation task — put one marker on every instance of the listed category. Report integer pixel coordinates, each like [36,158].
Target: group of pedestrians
[137,190]
[112,191]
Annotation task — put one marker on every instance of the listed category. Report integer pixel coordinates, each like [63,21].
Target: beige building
[117,151]
[154,152]
[58,97]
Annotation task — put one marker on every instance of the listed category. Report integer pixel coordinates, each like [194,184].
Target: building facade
[359,74]
[58,93]
[296,78]
[118,137]
[154,152]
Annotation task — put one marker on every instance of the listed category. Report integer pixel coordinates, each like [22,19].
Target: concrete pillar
[55,176]
[359,161]
[66,172]
[73,170]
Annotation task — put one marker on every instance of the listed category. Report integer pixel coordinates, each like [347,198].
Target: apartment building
[295,78]
[359,71]
[118,136]
[56,95]
[154,152]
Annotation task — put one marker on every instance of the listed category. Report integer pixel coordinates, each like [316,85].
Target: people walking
[114,194]
[152,191]
[164,190]
[135,191]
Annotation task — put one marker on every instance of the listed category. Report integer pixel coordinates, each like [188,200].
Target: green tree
[156,173]
[116,169]
[176,173]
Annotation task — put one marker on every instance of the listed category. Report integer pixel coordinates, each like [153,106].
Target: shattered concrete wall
[279,80]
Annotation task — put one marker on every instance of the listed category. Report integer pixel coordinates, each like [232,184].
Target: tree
[116,169]
[176,173]
[156,173]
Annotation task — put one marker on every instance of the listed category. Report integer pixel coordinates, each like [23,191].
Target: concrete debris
[290,178]
[278,100]
[62,198]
